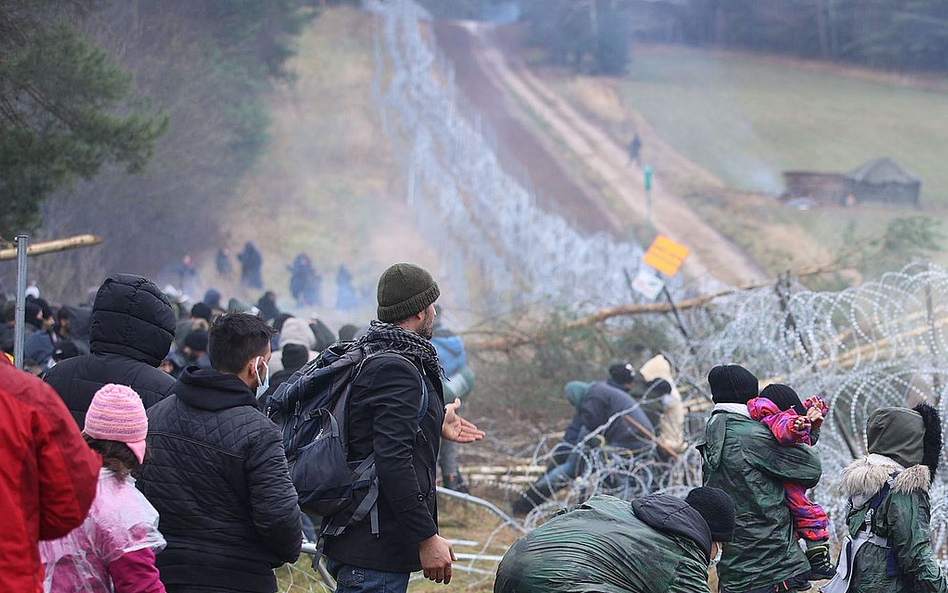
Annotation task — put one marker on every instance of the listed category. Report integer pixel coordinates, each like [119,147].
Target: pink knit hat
[117,414]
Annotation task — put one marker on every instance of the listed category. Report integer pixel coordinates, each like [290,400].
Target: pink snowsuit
[809,518]
[113,551]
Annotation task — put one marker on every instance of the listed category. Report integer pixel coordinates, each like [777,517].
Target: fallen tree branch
[512,342]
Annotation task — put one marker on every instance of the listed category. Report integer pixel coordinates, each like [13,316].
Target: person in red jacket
[48,480]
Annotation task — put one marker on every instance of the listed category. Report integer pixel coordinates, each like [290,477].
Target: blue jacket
[450,349]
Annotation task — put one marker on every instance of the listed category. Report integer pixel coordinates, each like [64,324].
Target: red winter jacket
[48,477]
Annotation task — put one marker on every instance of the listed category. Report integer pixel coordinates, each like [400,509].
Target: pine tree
[66,109]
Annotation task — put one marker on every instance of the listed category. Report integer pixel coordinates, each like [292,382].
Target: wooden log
[53,246]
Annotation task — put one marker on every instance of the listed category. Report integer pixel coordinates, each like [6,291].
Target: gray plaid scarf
[387,337]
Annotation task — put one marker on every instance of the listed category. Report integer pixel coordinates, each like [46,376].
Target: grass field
[747,119]
[720,128]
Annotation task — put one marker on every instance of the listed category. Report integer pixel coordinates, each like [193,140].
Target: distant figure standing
[187,274]
[305,282]
[635,150]
[345,293]
[250,262]
[222,262]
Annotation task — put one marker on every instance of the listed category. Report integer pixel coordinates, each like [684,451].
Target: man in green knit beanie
[396,412]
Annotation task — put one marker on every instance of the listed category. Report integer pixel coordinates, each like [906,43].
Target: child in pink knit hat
[113,551]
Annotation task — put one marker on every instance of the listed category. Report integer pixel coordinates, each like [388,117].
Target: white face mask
[262,384]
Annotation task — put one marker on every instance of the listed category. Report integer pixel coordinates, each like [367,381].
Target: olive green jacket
[902,518]
[603,546]
[743,458]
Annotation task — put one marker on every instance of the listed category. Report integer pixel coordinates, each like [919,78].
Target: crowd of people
[751,514]
[146,461]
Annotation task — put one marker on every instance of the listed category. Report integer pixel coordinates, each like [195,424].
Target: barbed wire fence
[476,214]
[883,343]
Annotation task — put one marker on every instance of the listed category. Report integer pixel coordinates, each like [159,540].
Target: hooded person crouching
[656,543]
[905,447]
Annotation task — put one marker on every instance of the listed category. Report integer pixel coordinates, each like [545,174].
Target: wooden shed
[825,189]
[883,181]
[878,181]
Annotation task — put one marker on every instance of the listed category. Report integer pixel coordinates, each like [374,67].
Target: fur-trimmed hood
[864,477]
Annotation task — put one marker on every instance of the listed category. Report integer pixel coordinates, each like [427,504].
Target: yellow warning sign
[665,255]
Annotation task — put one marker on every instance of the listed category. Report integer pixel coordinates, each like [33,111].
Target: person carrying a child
[794,423]
[113,551]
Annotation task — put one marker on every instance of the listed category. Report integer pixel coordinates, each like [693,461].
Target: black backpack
[310,409]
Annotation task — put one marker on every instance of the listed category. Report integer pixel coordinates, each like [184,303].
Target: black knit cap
[201,311]
[785,397]
[404,290]
[732,384]
[717,509]
[622,373]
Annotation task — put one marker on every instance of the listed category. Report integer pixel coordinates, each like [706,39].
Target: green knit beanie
[404,290]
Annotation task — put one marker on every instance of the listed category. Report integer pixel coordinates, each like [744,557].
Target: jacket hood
[208,389]
[896,433]
[133,318]
[672,515]
[296,331]
[864,477]
[658,367]
[576,391]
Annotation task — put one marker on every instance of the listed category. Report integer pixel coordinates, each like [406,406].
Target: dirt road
[713,256]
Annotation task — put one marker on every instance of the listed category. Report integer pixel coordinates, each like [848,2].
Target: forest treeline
[595,34]
[123,118]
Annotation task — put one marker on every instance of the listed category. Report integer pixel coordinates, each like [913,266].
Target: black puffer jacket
[217,475]
[132,329]
[383,417]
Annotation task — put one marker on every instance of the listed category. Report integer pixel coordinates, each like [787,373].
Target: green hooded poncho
[743,458]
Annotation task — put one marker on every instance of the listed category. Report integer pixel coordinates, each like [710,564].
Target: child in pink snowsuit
[777,408]
[113,551]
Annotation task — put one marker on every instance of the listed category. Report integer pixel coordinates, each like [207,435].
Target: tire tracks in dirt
[713,256]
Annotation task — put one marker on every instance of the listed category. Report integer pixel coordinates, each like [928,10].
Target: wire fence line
[476,214]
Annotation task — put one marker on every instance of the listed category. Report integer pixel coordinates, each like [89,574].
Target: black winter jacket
[217,474]
[383,417]
[132,330]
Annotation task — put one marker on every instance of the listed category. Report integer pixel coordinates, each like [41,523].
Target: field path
[712,254]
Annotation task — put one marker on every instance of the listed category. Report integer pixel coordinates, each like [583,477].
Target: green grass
[748,120]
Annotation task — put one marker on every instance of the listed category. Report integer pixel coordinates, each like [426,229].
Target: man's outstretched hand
[457,429]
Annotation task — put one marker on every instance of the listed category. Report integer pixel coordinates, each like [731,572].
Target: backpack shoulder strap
[424,384]
[876,501]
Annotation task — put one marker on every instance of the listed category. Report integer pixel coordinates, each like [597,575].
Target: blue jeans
[354,579]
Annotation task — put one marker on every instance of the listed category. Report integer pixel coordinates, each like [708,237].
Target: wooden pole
[648,433]
[53,246]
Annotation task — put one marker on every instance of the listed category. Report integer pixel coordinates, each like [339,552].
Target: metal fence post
[22,242]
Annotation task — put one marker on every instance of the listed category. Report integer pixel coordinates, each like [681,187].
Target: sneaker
[821,567]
